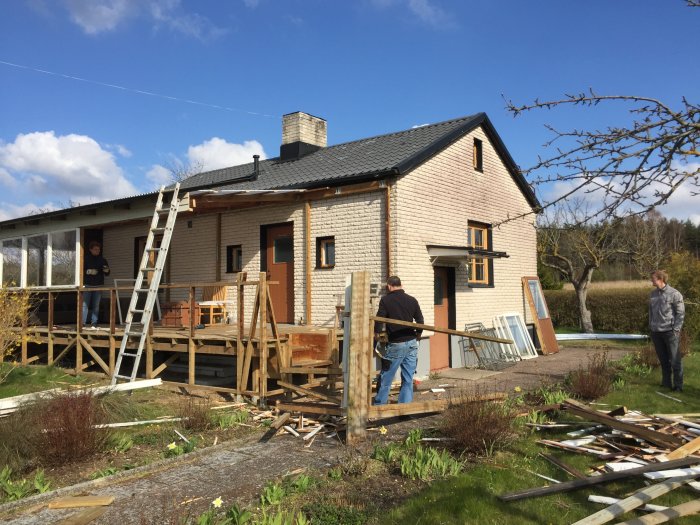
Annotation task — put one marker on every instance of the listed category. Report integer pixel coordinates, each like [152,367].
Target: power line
[137,91]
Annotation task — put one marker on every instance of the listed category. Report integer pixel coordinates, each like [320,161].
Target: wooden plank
[636,500]
[245,373]
[309,392]
[405,409]
[684,509]
[358,348]
[473,335]
[191,349]
[94,355]
[80,501]
[594,480]
[165,364]
[565,467]
[321,370]
[686,450]
[262,347]
[240,328]
[84,516]
[281,420]
[310,408]
[581,410]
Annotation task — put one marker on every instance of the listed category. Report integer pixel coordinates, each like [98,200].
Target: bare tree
[576,250]
[629,169]
[646,239]
[180,171]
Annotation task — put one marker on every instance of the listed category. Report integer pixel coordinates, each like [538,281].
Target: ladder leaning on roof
[143,310]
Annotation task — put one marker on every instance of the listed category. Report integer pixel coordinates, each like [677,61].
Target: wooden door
[440,343]
[540,314]
[280,268]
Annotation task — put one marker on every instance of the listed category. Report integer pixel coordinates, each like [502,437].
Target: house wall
[433,205]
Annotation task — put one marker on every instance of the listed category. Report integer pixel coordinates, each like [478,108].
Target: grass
[29,379]
[472,497]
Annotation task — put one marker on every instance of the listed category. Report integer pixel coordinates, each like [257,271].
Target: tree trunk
[583,312]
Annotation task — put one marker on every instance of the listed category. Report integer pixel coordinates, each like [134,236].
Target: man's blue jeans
[666,346]
[398,355]
[91,302]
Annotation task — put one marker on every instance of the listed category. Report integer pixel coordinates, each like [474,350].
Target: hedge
[623,310]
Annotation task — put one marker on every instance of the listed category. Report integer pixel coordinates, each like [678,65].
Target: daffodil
[517,389]
[172,446]
[217,502]
[383,430]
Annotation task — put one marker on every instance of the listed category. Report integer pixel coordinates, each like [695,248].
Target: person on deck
[666,314]
[95,267]
[401,350]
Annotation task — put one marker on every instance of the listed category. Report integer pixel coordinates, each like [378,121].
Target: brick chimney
[301,134]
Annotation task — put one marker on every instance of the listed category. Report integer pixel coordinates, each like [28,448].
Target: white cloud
[251,4]
[159,175]
[10,211]
[6,179]
[427,11]
[216,153]
[96,16]
[74,167]
[683,204]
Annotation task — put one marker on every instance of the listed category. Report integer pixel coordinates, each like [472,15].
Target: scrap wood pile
[305,428]
[660,448]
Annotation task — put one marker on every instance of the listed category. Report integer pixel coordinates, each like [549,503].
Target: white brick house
[424,204]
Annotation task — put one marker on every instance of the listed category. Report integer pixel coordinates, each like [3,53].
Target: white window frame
[49,254]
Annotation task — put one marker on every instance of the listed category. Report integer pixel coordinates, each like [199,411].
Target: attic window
[479,269]
[478,155]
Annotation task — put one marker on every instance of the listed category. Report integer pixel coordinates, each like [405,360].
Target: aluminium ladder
[138,307]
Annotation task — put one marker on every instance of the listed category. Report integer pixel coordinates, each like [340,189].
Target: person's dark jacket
[95,268]
[399,305]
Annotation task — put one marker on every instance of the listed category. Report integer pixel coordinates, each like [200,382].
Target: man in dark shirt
[95,268]
[402,349]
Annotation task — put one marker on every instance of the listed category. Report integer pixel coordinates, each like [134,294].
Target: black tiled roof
[365,159]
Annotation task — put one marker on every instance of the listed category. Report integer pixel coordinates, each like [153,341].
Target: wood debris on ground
[661,449]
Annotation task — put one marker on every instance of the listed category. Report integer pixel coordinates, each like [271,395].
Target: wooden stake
[359,348]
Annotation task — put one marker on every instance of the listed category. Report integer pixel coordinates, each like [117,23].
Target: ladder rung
[130,355]
[158,229]
[142,290]
[150,269]
[122,377]
[134,334]
[153,249]
[137,311]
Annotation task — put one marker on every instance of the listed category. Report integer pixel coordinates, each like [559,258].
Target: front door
[440,343]
[279,245]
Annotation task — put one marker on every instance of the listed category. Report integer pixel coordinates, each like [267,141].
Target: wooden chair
[213,305]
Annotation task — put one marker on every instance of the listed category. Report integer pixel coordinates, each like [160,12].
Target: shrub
[595,380]
[684,275]
[68,428]
[479,427]
[195,413]
[618,310]
[15,307]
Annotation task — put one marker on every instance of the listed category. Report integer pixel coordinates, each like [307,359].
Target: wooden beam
[689,448]
[665,440]
[684,509]
[81,501]
[387,228]
[165,364]
[419,326]
[595,480]
[359,346]
[84,516]
[310,408]
[309,392]
[636,500]
[321,370]
[404,409]
[218,247]
[307,263]
[94,355]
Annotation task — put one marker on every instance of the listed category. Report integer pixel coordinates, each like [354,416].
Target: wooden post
[263,350]
[360,346]
[240,328]
[387,228]
[50,321]
[25,321]
[112,329]
[307,263]
[78,345]
[190,342]
[218,247]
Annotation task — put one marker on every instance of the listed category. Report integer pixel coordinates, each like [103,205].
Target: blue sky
[98,98]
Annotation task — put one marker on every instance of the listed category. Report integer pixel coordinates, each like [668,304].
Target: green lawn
[27,379]
[472,496]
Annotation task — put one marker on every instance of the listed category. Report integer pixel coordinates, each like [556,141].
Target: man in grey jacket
[666,313]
